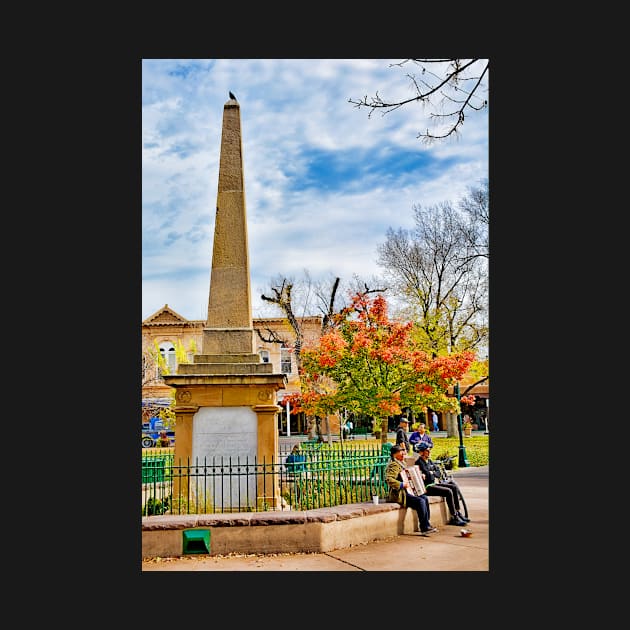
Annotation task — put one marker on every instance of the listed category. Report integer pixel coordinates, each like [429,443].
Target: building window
[264,356]
[168,354]
[285,361]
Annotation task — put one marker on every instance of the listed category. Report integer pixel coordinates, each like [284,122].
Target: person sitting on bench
[398,492]
[444,489]
[295,461]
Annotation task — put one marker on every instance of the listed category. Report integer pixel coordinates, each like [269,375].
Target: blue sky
[323,182]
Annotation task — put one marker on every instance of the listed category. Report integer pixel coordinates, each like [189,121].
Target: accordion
[413,475]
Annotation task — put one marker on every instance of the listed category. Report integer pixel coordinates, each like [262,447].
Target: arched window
[167,350]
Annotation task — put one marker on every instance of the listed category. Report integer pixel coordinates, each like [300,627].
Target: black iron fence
[322,475]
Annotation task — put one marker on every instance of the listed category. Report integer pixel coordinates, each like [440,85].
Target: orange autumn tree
[371,365]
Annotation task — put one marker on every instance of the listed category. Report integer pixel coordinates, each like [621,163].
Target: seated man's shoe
[456,521]
[462,517]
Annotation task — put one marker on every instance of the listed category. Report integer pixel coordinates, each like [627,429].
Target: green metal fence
[327,476]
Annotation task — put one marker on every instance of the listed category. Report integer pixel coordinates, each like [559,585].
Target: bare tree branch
[273,336]
[331,305]
[440,276]
[283,300]
[439,89]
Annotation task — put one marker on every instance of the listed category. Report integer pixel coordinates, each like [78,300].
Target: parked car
[151,431]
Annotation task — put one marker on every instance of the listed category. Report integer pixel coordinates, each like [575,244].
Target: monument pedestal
[229,418]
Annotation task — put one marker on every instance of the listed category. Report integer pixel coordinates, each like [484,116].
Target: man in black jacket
[440,488]
[401,434]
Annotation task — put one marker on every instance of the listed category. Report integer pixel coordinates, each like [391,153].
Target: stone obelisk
[229,326]
[226,399]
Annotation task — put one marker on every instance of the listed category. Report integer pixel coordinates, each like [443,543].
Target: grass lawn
[477,448]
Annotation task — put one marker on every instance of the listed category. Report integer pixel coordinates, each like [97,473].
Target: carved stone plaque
[225,439]
[225,431]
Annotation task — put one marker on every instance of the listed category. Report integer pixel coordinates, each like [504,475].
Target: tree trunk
[311,427]
[318,426]
[384,427]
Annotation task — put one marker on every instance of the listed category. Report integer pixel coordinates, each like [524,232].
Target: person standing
[434,420]
[398,492]
[440,488]
[401,434]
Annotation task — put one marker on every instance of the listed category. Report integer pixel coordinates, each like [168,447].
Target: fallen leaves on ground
[205,556]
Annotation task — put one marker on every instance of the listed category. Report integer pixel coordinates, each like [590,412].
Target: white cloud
[323,182]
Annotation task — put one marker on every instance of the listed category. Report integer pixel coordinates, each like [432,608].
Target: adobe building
[170,334]
[167,330]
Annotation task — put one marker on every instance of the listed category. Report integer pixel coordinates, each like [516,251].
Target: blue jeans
[421,506]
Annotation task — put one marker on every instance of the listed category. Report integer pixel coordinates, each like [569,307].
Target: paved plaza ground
[444,551]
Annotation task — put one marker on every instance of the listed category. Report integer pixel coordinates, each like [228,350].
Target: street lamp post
[487,416]
[462,462]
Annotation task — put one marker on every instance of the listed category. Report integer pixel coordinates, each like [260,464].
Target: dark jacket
[416,438]
[401,438]
[426,468]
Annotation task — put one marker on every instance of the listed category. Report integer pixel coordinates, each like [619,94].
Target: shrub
[155,506]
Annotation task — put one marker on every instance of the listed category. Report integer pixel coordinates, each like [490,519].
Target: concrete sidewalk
[444,551]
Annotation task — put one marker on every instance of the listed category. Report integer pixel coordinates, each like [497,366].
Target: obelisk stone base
[228,341]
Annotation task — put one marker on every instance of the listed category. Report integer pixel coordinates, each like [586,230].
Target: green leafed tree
[369,364]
